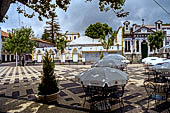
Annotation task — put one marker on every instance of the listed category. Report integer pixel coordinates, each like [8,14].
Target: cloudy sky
[80,15]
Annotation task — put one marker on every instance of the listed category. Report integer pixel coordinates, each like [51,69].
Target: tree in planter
[19,41]
[49,84]
[156,40]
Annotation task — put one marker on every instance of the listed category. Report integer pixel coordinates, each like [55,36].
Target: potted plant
[48,88]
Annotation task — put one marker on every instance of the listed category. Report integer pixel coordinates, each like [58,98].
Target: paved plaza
[18,87]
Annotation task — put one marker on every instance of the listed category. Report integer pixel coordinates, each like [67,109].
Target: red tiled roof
[4,34]
[43,41]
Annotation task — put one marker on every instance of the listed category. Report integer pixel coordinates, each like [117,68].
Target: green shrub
[49,84]
[101,56]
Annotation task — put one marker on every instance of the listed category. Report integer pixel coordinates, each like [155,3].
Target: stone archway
[75,55]
[39,56]
[144,49]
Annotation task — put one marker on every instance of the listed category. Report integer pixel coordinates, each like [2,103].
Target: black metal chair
[155,92]
[117,94]
[90,92]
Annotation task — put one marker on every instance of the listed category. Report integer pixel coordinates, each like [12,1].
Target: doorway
[144,49]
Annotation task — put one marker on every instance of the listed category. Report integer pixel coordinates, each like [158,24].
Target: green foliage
[98,30]
[44,8]
[156,40]
[45,35]
[49,84]
[61,43]
[101,56]
[107,43]
[52,29]
[115,5]
[19,41]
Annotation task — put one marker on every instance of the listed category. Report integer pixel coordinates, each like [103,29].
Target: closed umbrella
[100,76]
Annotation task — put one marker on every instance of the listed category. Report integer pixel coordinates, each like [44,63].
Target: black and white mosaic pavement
[18,87]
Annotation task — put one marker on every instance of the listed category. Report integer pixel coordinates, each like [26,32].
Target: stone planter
[48,98]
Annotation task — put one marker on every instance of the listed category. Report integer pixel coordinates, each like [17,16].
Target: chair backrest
[90,90]
[150,88]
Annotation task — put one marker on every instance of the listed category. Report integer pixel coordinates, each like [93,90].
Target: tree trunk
[4,6]
[52,29]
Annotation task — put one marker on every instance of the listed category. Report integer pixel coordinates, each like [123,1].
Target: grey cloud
[80,15]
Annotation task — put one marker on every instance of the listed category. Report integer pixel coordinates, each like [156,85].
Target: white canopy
[163,67]
[165,49]
[99,76]
[115,56]
[109,63]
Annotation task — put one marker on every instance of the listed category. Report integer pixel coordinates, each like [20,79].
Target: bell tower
[127,27]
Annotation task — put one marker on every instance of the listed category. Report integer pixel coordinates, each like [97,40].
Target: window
[137,45]
[127,46]
[74,37]
[126,27]
[159,26]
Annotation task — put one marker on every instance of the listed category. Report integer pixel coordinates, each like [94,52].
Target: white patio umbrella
[165,67]
[115,56]
[100,76]
[109,63]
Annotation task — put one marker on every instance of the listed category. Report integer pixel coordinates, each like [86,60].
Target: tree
[156,40]
[61,43]
[49,84]
[102,32]
[107,42]
[45,7]
[98,30]
[53,28]
[45,35]
[19,41]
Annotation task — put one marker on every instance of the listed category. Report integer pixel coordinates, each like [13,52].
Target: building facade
[5,56]
[80,49]
[135,43]
[71,36]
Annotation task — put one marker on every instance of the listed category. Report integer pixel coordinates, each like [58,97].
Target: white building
[86,49]
[81,49]
[135,43]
